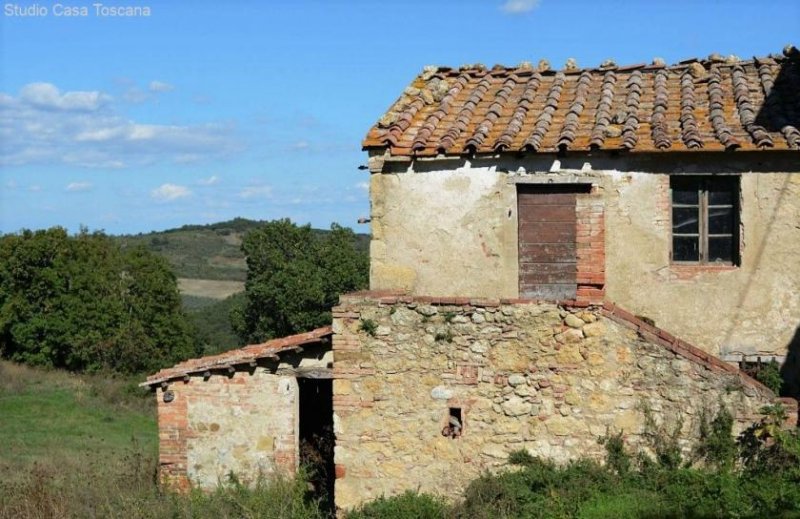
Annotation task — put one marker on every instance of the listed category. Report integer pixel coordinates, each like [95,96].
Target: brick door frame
[591,246]
[590,237]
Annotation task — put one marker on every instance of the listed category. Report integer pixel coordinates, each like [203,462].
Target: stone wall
[448,227]
[540,377]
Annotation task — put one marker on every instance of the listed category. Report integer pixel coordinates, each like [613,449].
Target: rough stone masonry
[538,376]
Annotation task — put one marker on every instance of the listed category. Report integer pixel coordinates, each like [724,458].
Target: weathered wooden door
[547,232]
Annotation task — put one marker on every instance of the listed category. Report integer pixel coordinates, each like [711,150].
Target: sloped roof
[240,356]
[711,104]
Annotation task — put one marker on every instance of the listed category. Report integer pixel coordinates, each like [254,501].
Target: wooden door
[547,232]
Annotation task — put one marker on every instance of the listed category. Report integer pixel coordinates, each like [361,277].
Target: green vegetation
[202,254]
[92,302]
[78,446]
[212,324]
[294,277]
[209,251]
[52,417]
[409,505]
[84,446]
[770,375]
[758,477]
[81,303]
[368,326]
[196,303]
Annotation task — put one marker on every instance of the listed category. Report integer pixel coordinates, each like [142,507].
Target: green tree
[81,303]
[294,277]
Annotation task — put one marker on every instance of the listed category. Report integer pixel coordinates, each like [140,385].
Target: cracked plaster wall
[449,228]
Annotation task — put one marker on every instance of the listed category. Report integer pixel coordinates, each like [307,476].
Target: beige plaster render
[448,227]
[537,377]
[751,309]
[444,232]
[238,425]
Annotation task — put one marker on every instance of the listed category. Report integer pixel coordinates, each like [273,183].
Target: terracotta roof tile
[239,356]
[713,104]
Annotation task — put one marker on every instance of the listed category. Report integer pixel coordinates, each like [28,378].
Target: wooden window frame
[703,187]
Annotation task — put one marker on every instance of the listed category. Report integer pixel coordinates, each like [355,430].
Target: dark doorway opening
[316,437]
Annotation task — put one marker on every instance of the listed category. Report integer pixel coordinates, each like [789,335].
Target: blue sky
[203,111]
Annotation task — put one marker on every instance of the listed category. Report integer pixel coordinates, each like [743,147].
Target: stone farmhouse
[555,254]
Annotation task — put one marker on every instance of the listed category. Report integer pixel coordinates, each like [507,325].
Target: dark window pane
[720,197]
[684,220]
[720,220]
[720,249]
[685,248]
[685,195]
[722,190]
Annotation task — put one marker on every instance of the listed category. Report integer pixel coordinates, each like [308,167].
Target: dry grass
[210,288]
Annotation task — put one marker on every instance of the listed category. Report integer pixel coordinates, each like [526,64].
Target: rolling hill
[207,252]
[211,270]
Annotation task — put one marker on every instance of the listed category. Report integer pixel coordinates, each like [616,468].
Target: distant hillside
[207,252]
[211,270]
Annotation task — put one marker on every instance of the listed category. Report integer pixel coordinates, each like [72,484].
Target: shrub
[409,505]
[770,375]
[766,448]
[521,457]
[617,459]
[717,445]
[663,441]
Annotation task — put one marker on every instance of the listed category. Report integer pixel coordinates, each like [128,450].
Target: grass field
[54,418]
[75,446]
[209,288]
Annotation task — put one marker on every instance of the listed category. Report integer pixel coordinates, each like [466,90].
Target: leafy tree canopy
[81,303]
[294,277]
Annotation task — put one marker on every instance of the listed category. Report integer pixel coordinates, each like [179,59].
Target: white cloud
[169,192]
[47,96]
[45,126]
[34,188]
[301,145]
[79,186]
[519,6]
[363,185]
[135,95]
[210,181]
[160,86]
[253,192]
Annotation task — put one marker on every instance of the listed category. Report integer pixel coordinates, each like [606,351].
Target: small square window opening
[705,220]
